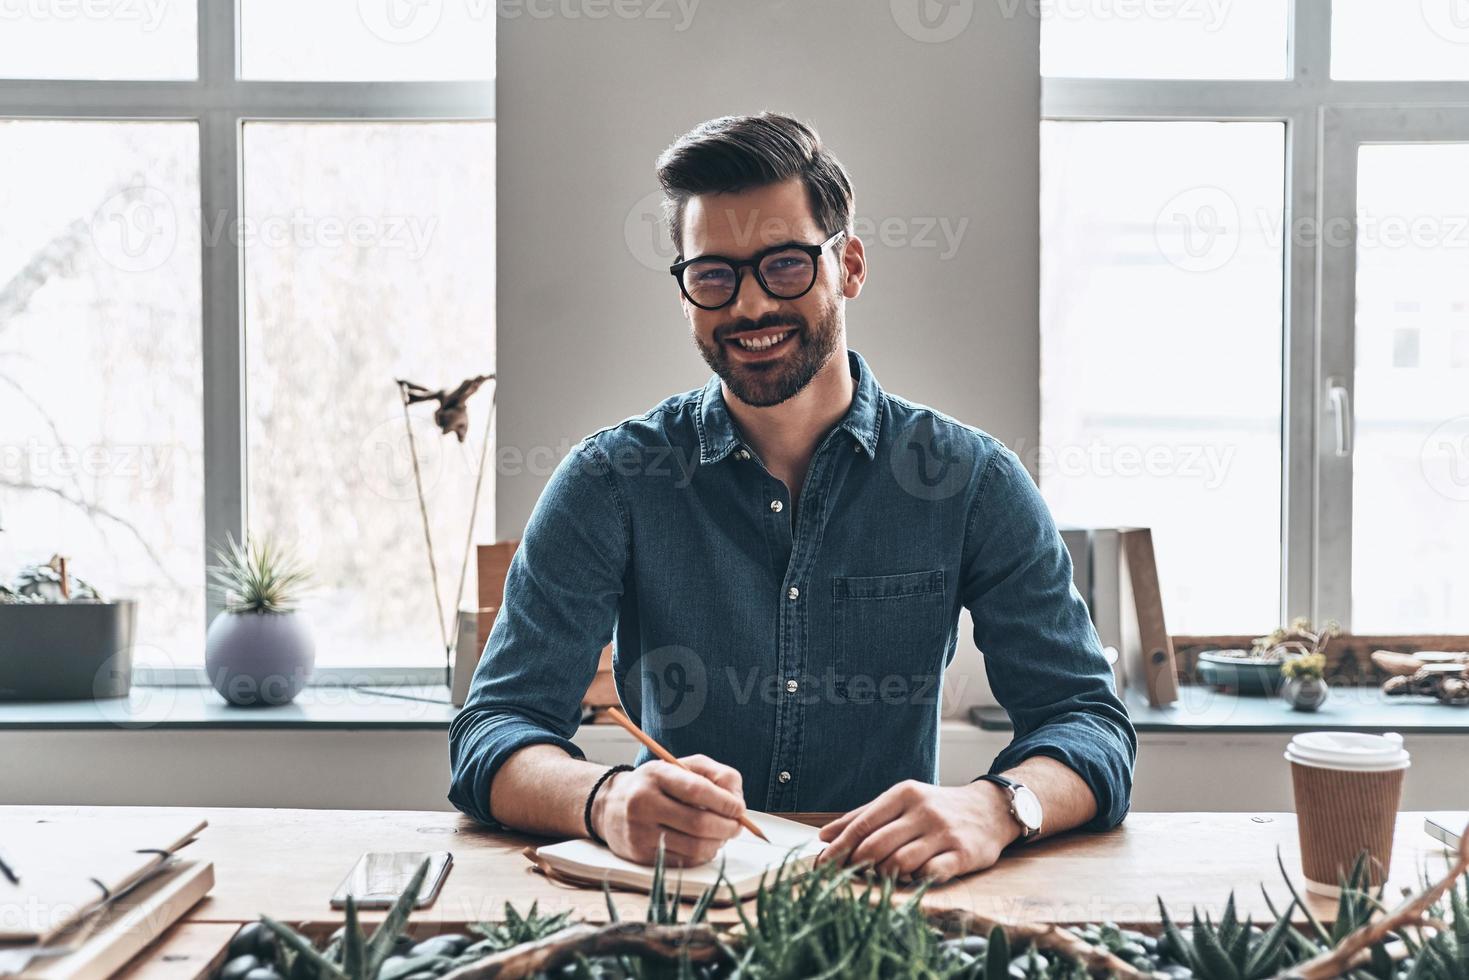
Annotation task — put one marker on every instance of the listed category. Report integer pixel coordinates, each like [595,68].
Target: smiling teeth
[761,343]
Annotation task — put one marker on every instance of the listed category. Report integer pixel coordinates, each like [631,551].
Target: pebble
[236,968]
[449,944]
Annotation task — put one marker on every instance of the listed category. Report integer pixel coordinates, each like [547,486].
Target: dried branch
[1413,911]
[1044,935]
[48,421]
[57,257]
[698,943]
[96,510]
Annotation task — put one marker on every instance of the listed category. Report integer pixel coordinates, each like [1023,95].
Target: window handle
[1339,403]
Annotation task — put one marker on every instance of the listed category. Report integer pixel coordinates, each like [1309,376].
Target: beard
[763,384]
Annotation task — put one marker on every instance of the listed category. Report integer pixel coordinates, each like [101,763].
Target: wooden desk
[287,863]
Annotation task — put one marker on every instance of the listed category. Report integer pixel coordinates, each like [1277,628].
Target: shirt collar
[718,437]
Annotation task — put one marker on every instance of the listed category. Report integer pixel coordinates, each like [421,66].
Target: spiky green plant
[516,929]
[841,922]
[1232,950]
[356,956]
[258,576]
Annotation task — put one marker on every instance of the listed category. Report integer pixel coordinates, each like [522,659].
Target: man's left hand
[917,830]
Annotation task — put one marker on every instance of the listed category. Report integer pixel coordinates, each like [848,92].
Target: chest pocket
[889,636]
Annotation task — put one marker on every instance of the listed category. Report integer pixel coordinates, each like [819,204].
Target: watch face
[1027,807]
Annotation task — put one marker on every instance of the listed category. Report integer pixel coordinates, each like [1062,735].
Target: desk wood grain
[288,862]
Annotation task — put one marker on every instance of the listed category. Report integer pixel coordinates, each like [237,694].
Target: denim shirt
[803,644]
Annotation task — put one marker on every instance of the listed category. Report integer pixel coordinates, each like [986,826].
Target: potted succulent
[1305,682]
[259,650]
[60,640]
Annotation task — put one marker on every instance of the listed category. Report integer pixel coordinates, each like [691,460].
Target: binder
[1127,609]
[1147,649]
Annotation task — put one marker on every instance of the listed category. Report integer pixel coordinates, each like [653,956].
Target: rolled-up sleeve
[560,607]
[1041,652]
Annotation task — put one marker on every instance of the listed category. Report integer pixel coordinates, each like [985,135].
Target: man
[783,555]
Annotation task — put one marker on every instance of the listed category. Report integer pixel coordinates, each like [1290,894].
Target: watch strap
[1010,786]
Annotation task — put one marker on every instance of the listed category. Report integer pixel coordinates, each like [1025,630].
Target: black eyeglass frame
[754,263]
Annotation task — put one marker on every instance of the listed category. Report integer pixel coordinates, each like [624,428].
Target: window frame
[220,102]
[1325,120]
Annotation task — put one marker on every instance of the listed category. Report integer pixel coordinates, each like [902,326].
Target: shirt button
[791,687]
[777,506]
[742,454]
[784,776]
[793,593]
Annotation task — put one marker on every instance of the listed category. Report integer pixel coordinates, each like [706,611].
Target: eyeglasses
[711,282]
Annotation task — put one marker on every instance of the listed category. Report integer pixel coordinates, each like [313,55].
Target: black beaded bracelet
[586,815]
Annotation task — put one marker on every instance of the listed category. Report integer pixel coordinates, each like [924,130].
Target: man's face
[736,340]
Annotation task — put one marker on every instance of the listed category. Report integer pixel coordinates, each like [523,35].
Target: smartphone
[379,877]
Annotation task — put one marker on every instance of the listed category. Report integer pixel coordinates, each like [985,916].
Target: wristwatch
[1025,806]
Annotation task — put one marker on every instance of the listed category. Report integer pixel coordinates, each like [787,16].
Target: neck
[785,436]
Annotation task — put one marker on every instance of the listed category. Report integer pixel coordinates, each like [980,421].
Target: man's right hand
[694,812]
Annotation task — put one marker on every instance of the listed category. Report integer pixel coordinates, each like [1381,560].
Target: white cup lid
[1348,750]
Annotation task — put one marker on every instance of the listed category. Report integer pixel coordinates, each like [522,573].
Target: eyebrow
[769,248]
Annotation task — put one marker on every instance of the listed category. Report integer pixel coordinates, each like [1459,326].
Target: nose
[752,301]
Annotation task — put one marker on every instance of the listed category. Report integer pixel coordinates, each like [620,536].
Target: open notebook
[745,857]
[68,866]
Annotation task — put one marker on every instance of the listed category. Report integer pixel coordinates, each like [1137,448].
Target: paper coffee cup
[1347,788]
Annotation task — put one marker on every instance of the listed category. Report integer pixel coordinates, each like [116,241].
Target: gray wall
[939,135]
[346,769]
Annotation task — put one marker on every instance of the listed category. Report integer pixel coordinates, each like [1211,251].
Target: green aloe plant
[1231,950]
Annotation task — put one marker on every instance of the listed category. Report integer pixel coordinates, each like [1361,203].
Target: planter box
[66,651]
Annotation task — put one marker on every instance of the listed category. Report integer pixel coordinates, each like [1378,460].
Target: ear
[854,266]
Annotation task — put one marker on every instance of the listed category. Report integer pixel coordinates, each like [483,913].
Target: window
[101,408]
[210,278]
[1160,359]
[1255,240]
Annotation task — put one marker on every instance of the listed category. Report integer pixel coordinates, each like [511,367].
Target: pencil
[616,715]
[7,870]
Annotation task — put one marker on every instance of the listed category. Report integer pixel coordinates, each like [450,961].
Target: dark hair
[736,153]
